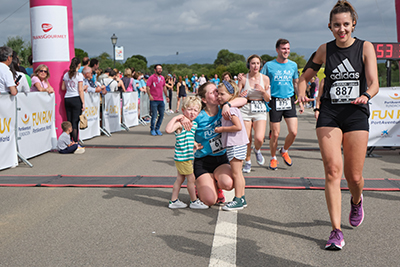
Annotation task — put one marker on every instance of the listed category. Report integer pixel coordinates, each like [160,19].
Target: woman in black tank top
[342,113]
[181,89]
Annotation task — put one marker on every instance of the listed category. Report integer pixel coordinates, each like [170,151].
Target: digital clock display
[387,50]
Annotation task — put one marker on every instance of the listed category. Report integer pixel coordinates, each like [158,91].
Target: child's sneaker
[198,205]
[79,150]
[221,197]
[336,241]
[356,213]
[177,204]
[244,202]
[235,204]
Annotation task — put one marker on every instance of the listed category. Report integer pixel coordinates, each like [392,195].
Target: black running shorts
[347,117]
[208,164]
[276,116]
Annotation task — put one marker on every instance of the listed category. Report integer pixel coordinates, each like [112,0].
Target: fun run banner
[36,123]
[384,120]
[130,109]
[112,112]
[92,112]
[8,146]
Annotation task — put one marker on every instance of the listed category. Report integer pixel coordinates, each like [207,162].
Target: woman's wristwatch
[226,103]
[316,109]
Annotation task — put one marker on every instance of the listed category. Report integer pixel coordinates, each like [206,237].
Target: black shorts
[276,116]
[208,164]
[347,117]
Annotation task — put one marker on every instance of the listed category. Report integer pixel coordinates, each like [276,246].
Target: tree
[105,61]
[138,64]
[237,67]
[140,57]
[225,57]
[22,48]
[301,62]
[79,53]
[267,57]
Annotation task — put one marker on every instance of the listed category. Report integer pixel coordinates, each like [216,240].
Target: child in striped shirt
[184,145]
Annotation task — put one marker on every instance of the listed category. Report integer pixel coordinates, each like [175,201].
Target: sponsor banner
[112,112]
[8,146]
[50,40]
[130,109]
[35,123]
[384,120]
[92,112]
[119,53]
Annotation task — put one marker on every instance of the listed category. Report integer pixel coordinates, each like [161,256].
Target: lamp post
[114,42]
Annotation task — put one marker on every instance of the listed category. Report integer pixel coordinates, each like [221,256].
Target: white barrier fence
[8,145]
[384,120]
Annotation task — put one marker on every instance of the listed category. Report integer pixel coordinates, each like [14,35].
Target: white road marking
[223,252]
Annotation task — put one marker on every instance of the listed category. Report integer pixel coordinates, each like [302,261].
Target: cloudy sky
[163,27]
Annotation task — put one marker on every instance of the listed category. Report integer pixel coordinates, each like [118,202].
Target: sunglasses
[45,71]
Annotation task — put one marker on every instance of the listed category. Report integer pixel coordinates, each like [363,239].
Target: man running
[284,78]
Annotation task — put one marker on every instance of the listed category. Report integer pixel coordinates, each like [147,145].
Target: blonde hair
[191,101]
[36,73]
[235,89]
[128,73]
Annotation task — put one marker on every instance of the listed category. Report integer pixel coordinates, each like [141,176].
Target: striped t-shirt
[184,144]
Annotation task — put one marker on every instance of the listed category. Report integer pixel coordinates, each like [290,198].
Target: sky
[163,27]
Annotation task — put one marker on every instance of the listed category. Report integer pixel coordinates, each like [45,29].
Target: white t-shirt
[23,85]
[6,78]
[72,84]
[113,83]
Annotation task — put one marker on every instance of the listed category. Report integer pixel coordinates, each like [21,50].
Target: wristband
[316,109]
[367,95]
[226,103]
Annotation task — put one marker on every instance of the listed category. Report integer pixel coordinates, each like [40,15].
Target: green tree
[105,61]
[301,62]
[140,57]
[267,57]
[237,67]
[225,57]
[22,48]
[138,64]
[79,53]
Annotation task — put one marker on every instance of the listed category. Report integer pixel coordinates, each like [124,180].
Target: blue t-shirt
[206,135]
[281,77]
[29,71]
[187,82]
[215,81]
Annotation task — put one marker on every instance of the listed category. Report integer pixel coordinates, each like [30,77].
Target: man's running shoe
[286,158]
[235,204]
[356,213]
[246,167]
[244,202]
[273,164]
[177,204]
[336,241]
[198,205]
[259,157]
[221,197]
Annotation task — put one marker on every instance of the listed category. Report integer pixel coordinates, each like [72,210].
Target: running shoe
[246,167]
[177,204]
[273,164]
[259,157]
[153,133]
[244,202]
[198,205]
[286,158]
[79,150]
[221,197]
[158,132]
[235,204]
[335,241]
[356,213]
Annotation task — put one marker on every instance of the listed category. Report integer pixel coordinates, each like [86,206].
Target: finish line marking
[223,251]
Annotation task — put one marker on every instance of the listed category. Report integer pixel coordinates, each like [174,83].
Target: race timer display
[387,50]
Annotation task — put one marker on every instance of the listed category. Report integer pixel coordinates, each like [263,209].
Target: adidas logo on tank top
[344,71]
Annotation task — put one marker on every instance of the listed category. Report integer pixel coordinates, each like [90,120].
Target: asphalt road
[69,226]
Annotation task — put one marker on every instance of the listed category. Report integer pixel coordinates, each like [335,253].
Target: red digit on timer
[379,51]
[389,50]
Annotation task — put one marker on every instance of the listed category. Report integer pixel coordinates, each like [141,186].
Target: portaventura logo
[47,27]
